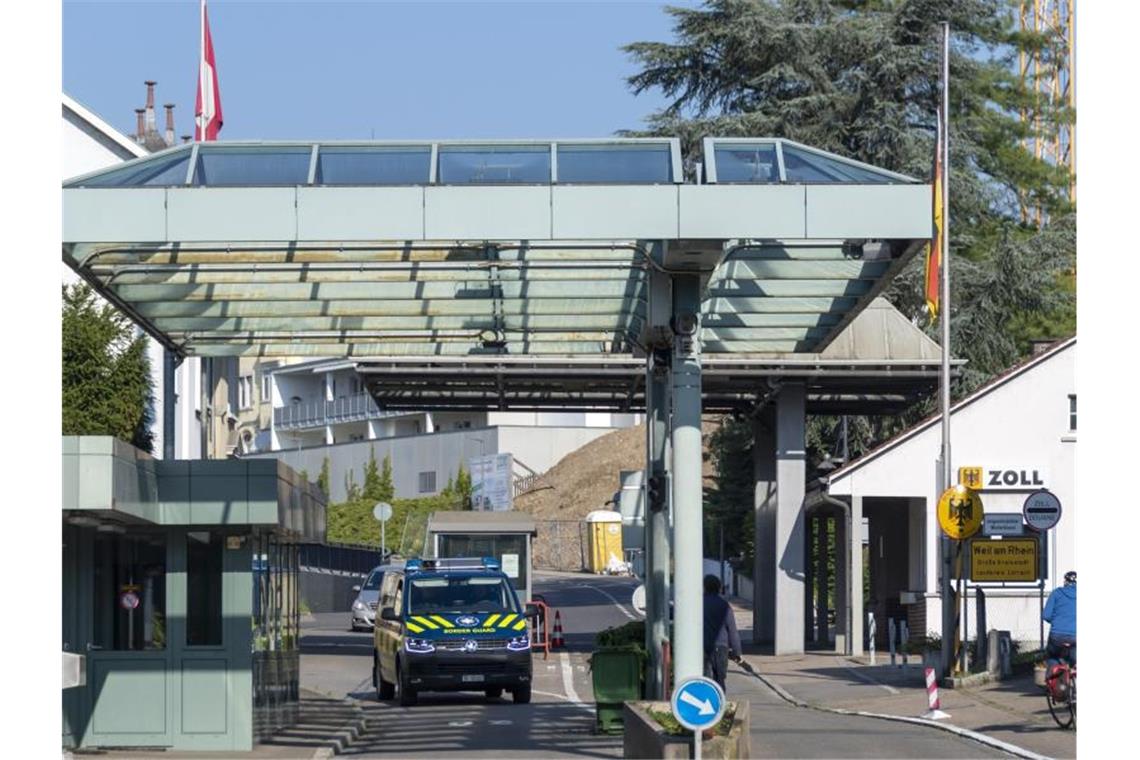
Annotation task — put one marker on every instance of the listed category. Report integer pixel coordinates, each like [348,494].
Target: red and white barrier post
[935,705]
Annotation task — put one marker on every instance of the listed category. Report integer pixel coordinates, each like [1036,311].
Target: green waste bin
[617,673]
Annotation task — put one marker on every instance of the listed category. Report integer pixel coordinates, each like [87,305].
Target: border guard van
[451,625]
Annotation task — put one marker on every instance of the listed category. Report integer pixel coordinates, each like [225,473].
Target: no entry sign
[1042,510]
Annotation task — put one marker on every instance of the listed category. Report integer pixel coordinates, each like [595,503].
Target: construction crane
[1049,72]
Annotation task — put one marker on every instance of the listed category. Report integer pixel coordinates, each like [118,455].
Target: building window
[427,482]
[245,392]
[1072,412]
[266,389]
[129,584]
[204,588]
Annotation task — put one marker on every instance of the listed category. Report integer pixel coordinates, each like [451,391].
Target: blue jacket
[1061,611]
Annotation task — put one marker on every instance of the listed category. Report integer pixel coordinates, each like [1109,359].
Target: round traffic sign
[128,600]
[1042,510]
[382,511]
[698,703]
[639,599]
[960,512]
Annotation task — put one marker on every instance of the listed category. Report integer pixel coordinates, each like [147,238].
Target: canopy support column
[657,518]
[789,528]
[169,367]
[764,528]
[688,523]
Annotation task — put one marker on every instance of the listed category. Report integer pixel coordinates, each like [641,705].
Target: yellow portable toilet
[604,529]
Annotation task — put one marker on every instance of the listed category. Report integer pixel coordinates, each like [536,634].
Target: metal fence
[357,407]
[339,558]
[559,545]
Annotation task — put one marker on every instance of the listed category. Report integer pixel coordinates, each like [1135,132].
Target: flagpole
[949,601]
[201,131]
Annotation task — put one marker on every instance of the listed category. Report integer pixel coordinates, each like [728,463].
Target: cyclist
[1061,615]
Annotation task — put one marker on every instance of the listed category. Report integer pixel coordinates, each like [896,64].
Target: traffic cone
[556,640]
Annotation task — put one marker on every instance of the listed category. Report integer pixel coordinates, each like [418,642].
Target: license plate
[473,679]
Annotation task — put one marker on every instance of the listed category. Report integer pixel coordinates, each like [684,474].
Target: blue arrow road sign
[698,703]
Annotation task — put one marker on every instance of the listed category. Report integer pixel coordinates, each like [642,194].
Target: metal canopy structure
[441,249]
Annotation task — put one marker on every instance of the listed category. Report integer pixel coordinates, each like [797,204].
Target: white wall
[1020,425]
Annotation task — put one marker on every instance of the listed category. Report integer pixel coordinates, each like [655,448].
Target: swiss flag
[208,107]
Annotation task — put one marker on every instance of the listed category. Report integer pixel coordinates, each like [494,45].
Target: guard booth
[506,536]
[180,597]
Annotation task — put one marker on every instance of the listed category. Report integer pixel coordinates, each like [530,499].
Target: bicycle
[1061,690]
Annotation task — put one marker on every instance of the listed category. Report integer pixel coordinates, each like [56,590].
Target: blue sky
[356,70]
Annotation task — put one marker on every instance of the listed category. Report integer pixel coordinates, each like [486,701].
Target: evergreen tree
[372,488]
[387,487]
[861,78]
[106,371]
[463,487]
[323,478]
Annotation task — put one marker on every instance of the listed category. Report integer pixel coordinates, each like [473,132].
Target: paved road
[560,720]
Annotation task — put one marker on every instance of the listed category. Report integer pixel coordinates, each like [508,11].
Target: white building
[320,409]
[1021,429]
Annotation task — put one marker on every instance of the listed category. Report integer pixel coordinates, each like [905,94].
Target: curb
[345,736]
[963,732]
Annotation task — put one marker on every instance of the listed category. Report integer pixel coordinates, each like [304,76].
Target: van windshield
[462,594]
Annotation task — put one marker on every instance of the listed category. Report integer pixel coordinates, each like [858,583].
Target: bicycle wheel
[1063,711]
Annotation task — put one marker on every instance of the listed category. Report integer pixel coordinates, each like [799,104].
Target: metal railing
[308,414]
[338,558]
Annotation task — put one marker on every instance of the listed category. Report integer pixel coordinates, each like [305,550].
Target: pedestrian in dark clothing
[721,637]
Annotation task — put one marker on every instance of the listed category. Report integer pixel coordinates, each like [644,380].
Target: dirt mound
[585,479]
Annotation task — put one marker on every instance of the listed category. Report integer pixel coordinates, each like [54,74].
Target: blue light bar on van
[452,563]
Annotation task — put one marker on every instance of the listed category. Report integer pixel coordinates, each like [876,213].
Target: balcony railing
[311,414]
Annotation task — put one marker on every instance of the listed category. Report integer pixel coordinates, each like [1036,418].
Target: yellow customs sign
[1012,559]
[960,512]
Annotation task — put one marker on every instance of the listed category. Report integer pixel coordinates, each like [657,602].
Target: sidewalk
[325,727]
[1011,711]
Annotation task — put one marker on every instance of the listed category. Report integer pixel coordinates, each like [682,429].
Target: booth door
[129,688]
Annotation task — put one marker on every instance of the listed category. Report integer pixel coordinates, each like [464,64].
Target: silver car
[367,596]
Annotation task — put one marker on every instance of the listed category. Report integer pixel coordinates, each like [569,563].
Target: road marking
[564,698]
[613,599]
[866,679]
[568,679]
[500,722]
[460,723]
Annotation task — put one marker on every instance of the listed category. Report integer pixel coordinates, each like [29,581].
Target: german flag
[934,247]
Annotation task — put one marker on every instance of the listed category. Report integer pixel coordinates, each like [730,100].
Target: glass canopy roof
[640,161]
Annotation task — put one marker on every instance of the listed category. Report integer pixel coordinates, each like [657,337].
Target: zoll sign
[1021,478]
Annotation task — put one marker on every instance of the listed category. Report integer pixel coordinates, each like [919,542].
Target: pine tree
[463,487]
[372,486]
[106,371]
[387,487]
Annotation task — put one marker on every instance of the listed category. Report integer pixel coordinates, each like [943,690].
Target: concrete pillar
[764,531]
[790,473]
[329,395]
[373,429]
[822,580]
[842,574]
[855,570]
[329,435]
[688,524]
[657,585]
[429,423]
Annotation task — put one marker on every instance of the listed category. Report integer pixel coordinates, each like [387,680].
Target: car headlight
[519,643]
[358,606]
[418,646]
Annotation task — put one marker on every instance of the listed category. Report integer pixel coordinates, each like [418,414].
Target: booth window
[130,591]
[204,588]
[1072,412]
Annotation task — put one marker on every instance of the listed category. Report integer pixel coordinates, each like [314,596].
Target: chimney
[169,124]
[151,123]
[140,129]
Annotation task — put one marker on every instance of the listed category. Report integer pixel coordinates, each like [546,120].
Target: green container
[617,678]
